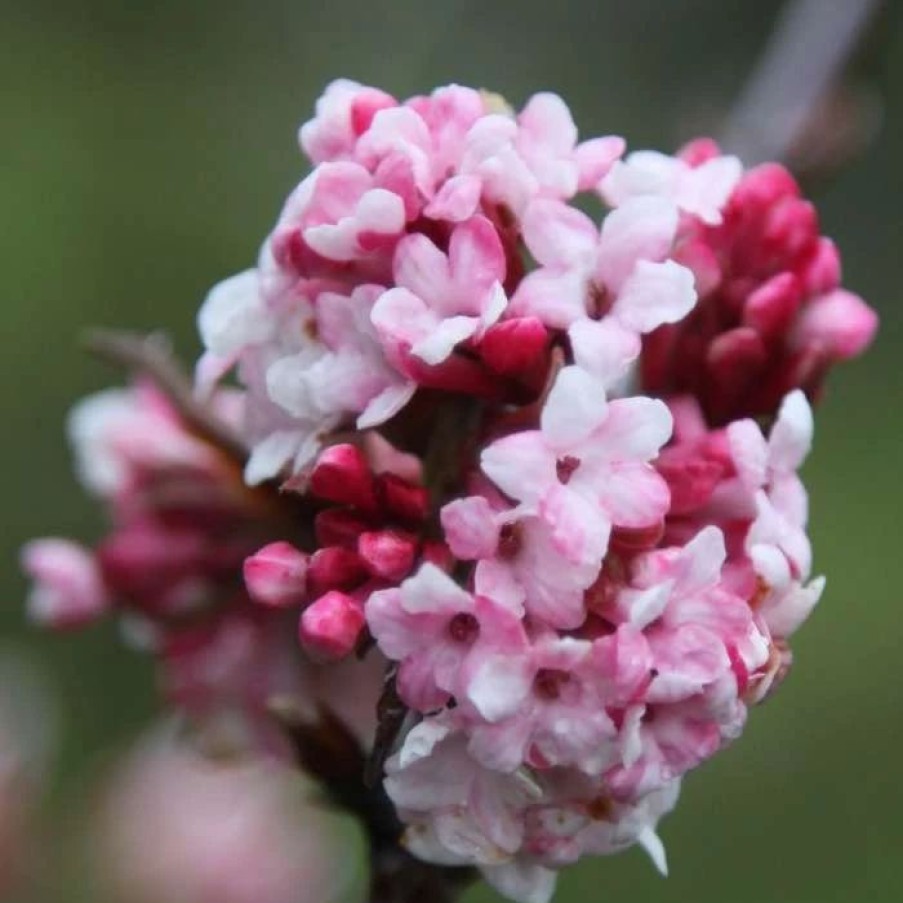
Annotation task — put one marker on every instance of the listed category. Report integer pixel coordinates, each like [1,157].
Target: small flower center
[601,808]
[549,681]
[463,628]
[565,467]
[509,541]
[600,301]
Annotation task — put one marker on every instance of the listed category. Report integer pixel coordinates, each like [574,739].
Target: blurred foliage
[146,150]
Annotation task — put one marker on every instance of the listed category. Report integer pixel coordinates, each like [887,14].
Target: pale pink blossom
[344,112]
[622,272]
[702,190]
[588,821]
[768,471]
[231,318]
[692,621]
[519,561]
[442,299]
[432,626]
[786,601]
[535,155]
[547,707]
[586,468]
[339,215]
[352,374]
[457,810]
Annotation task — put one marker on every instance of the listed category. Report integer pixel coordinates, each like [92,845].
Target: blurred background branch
[795,106]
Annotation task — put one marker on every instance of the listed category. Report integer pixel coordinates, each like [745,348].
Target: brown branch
[151,356]
[804,59]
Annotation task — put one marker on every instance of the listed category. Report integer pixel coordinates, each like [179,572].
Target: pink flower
[339,215]
[692,622]
[231,318]
[343,113]
[663,742]
[254,321]
[432,627]
[786,601]
[701,190]
[457,811]
[622,271]
[352,375]
[776,542]
[588,821]
[768,472]
[586,468]
[441,300]
[552,710]
[68,587]
[535,155]
[520,562]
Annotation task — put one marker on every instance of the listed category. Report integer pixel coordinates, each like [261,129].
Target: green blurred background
[146,149]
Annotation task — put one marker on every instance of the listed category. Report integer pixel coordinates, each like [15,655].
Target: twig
[806,54]
[152,357]
[391,713]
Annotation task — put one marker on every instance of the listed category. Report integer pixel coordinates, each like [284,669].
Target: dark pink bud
[455,374]
[734,361]
[387,554]
[515,347]
[763,186]
[276,575]
[342,475]
[735,356]
[404,500]
[770,309]
[791,229]
[702,260]
[821,273]
[339,527]
[691,478]
[334,568]
[330,628]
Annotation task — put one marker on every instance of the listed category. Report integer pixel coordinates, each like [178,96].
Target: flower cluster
[546,469]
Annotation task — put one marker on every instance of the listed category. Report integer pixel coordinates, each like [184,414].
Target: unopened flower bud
[387,553]
[334,568]
[276,575]
[342,475]
[330,628]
